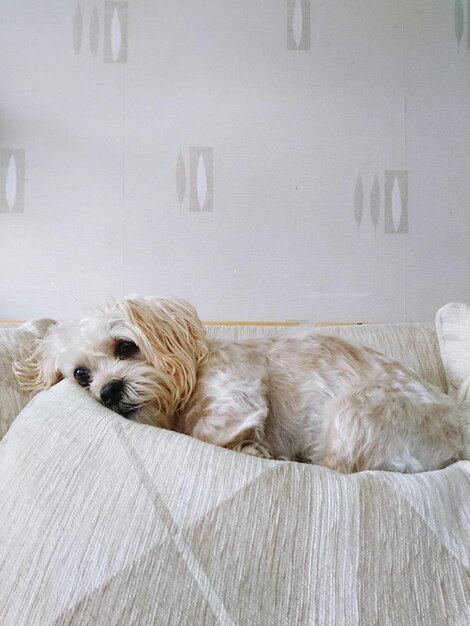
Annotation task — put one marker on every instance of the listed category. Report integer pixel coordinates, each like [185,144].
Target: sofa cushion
[104,521]
[14,338]
[453,331]
[415,345]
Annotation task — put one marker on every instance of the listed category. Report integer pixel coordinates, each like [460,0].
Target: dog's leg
[252,448]
[381,428]
[336,463]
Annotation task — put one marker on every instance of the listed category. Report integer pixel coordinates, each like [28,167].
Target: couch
[105,521]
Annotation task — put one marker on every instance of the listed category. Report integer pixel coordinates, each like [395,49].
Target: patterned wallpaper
[270,160]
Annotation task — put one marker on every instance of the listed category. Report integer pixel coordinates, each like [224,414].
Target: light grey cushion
[413,344]
[453,331]
[104,521]
[14,338]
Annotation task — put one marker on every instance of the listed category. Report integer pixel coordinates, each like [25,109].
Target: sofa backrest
[414,345]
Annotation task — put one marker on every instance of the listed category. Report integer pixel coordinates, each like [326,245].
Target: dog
[311,398]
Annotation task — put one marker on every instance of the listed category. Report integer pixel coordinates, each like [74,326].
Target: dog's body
[320,400]
[314,398]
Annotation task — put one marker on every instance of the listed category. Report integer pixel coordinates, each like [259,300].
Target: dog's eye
[82,376]
[126,349]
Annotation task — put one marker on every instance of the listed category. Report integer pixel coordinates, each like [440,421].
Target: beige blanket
[103,521]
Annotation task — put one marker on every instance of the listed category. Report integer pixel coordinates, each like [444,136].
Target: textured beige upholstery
[104,521]
[453,331]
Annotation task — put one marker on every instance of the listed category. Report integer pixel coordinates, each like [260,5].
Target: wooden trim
[222,323]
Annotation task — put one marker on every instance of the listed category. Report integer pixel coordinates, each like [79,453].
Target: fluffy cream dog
[314,398]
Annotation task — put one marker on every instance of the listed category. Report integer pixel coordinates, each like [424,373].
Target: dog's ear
[171,337]
[36,369]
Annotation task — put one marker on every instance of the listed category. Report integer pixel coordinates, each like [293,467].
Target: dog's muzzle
[111,395]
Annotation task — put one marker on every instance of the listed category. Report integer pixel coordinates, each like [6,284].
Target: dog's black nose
[110,394]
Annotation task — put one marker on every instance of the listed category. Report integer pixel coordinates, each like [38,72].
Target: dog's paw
[252,448]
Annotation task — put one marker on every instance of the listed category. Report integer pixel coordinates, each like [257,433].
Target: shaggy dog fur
[315,399]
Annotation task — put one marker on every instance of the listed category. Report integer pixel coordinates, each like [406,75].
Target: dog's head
[138,357]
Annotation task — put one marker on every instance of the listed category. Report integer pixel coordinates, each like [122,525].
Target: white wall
[299,104]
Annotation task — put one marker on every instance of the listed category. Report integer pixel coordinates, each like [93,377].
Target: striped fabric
[108,522]
[453,331]
[104,521]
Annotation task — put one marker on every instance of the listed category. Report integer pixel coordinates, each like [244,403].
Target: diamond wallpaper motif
[12,180]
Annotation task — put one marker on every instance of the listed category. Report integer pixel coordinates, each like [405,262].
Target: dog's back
[320,399]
